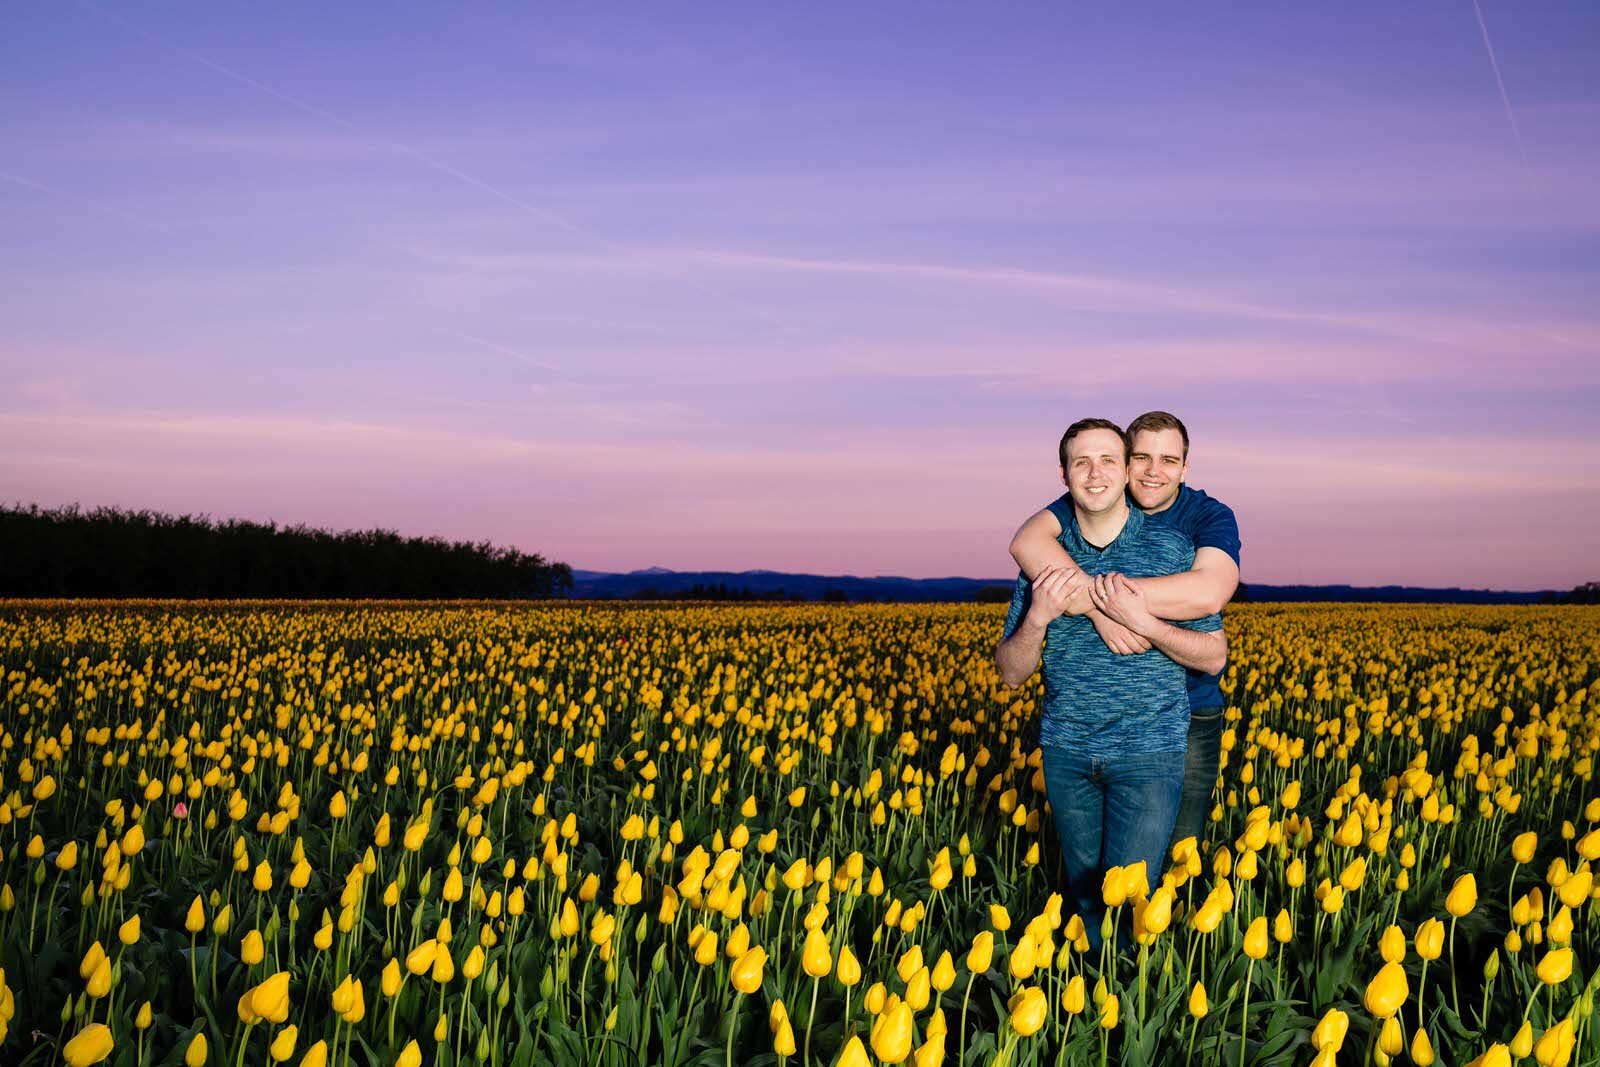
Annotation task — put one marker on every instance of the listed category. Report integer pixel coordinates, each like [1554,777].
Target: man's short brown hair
[1094,424]
[1155,421]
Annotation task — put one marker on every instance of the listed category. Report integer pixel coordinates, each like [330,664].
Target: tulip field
[592,834]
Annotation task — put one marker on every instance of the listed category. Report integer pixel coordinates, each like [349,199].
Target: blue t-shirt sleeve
[1021,599]
[1061,508]
[1217,528]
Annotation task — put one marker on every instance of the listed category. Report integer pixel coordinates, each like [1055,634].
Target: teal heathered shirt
[1097,703]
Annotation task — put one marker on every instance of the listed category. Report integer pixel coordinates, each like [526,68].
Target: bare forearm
[1034,548]
[1181,597]
[1018,655]
[1196,649]
[1204,589]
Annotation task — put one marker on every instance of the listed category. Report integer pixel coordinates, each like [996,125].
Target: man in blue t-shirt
[1158,465]
[1113,728]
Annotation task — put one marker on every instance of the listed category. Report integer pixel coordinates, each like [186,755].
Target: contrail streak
[40,187]
[508,351]
[1505,98]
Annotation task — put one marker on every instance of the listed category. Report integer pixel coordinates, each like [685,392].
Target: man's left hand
[1124,602]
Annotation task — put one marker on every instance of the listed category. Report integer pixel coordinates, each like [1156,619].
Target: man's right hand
[1053,591]
[1118,638]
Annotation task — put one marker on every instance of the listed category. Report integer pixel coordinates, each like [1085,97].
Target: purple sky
[812,287]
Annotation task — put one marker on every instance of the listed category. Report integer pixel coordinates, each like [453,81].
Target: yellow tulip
[875,997]
[1022,962]
[195,1055]
[569,918]
[1392,945]
[854,1055]
[410,1056]
[91,960]
[1330,1031]
[1421,1049]
[1391,1038]
[316,1055]
[1554,1049]
[892,1034]
[1387,991]
[1497,1055]
[981,955]
[100,980]
[1556,967]
[1574,892]
[1430,939]
[91,1045]
[1114,887]
[392,978]
[1463,896]
[783,1039]
[282,1046]
[1157,914]
[1523,846]
[1255,938]
[1198,1006]
[1522,1041]
[749,970]
[817,957]
[849,969]
[1109,1012]
[1028,1009]
[1072,997]
[262,878]
[270,999]
[931,1052]
[705,950]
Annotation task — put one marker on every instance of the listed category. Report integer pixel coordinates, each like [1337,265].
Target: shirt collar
[1130,530]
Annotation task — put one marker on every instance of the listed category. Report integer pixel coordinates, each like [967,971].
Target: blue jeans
[1110,812]
[1199,775]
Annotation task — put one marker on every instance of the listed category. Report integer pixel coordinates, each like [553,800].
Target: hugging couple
[1119,604]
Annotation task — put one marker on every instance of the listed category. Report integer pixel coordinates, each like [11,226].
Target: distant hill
[660,583]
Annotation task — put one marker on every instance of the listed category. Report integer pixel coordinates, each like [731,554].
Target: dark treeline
[109,552]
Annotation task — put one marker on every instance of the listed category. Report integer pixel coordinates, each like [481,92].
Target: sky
[811,287]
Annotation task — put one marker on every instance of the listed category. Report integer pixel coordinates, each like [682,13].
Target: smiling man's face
[1156,469]
[1097,471]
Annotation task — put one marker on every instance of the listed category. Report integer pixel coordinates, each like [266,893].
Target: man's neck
[1102,528]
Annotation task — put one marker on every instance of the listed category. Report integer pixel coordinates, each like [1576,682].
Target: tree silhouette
[110,552]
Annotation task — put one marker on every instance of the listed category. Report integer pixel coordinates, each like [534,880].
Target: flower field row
[455,834]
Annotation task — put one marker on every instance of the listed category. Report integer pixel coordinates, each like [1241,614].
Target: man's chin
[1152,503]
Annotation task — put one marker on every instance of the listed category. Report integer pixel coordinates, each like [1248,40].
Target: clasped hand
[1121,601]
[1059,591]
